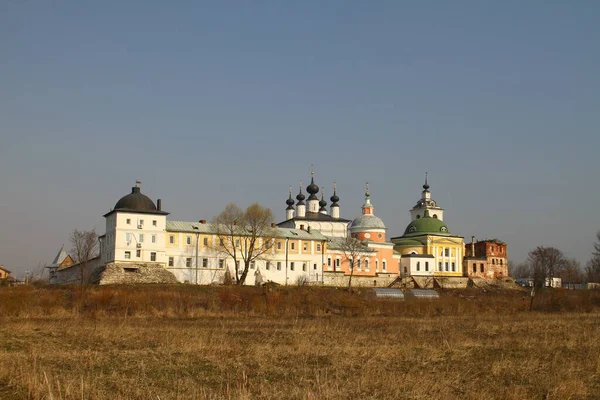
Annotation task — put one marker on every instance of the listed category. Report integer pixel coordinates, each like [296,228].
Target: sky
[209,103]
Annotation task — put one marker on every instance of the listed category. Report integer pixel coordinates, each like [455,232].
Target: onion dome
[312,189]
[426,185]
[290,201]
[334,199]
[300,197]
[426,226]
[322,203]
[135,201]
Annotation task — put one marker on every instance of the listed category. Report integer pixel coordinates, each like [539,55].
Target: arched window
[493,261]
[358,264]
[366,265]
[501,263]
[434,215]
[418,216]
[384,265]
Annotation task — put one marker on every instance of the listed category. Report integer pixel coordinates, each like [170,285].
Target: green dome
[427,225]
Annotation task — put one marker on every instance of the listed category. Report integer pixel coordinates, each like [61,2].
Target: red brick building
[486,259]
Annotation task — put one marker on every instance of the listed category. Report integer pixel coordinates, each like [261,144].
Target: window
[138,253]
[426,265]
[237,242]
[141,238]
[304,267]
[268,266]
[153,238]
[278,265]
[141,222]
[384,265]
[205,241]
[188,262]
[128,237]
[501,262]
[128,221]
[481,267]
[440,266]
[358,265]
[474,267]
[337,262]
[315,267]
[221,242]
[205,263]
[127,255]
[221,263]
[291,266]
[278,245]
[493,261]
[252,265]
[171,261]
[153,222]
[366,265]
[188,240]
[152,256]
[329,261]
[305,247]
[318,246]
[446,265]
[405,267]
[418,265]
[171,239]
[292,245]
[447,252]
[453,266]
[376,265]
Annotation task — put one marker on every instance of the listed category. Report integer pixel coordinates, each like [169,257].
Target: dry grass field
[185,342]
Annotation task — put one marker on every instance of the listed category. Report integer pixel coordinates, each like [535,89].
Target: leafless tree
[571,272]
[592,268]
[245,236]
[353,249]
[545,263]
[85,247]
[520,270]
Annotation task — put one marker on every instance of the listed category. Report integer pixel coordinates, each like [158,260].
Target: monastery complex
[141,245]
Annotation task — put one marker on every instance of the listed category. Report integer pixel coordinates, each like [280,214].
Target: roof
[426,225]
[406,242]
[313,216]
[366,222]
[424,293]
[389,293]
[197,227]
[418,256]
[60,257]
[136,202]
[337,243]
[4,269]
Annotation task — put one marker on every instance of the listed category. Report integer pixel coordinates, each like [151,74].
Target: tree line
[550,262]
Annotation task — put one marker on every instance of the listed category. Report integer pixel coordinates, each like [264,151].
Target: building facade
[486,259]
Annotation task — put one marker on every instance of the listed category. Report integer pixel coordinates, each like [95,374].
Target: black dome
[290,201]
[312,188]
[135,201]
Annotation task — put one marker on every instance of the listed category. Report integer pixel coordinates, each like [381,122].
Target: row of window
[221,263]
[138,254]
[140,222]
[358,264]
[140,237]
[188,241]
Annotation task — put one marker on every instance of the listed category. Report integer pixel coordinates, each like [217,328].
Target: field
[185,342]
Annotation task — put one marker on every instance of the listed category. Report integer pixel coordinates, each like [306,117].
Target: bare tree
[545,263]
[85,247]
[520,270]
[353,249]
[245,236]
[592,269]
[571,271]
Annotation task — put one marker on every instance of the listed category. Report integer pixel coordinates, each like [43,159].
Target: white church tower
[426,203]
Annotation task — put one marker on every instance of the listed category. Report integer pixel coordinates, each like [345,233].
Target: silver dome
[366,222]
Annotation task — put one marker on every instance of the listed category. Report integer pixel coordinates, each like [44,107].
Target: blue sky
[216,102]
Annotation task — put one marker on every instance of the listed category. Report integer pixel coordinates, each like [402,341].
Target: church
[311,246]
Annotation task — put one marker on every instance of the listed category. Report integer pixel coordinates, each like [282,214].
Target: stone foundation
[134,273]
[341,280]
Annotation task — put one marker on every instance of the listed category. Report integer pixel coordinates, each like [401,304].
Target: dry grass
[187,342]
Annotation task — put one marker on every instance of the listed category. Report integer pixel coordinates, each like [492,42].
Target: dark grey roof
[313,216]
[136,202]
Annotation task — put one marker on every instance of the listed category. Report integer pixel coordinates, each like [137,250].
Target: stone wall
[341,280]
[134,273]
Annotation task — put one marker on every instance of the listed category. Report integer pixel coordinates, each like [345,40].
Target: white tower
[312,189]
[426,203]
[300,206]
[289,211]
[335,207]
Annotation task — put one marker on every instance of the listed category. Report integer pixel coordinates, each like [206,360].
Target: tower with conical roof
[312,189]
[300,205]
[335,207]
[368,226]
[323,203]
[426,203]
